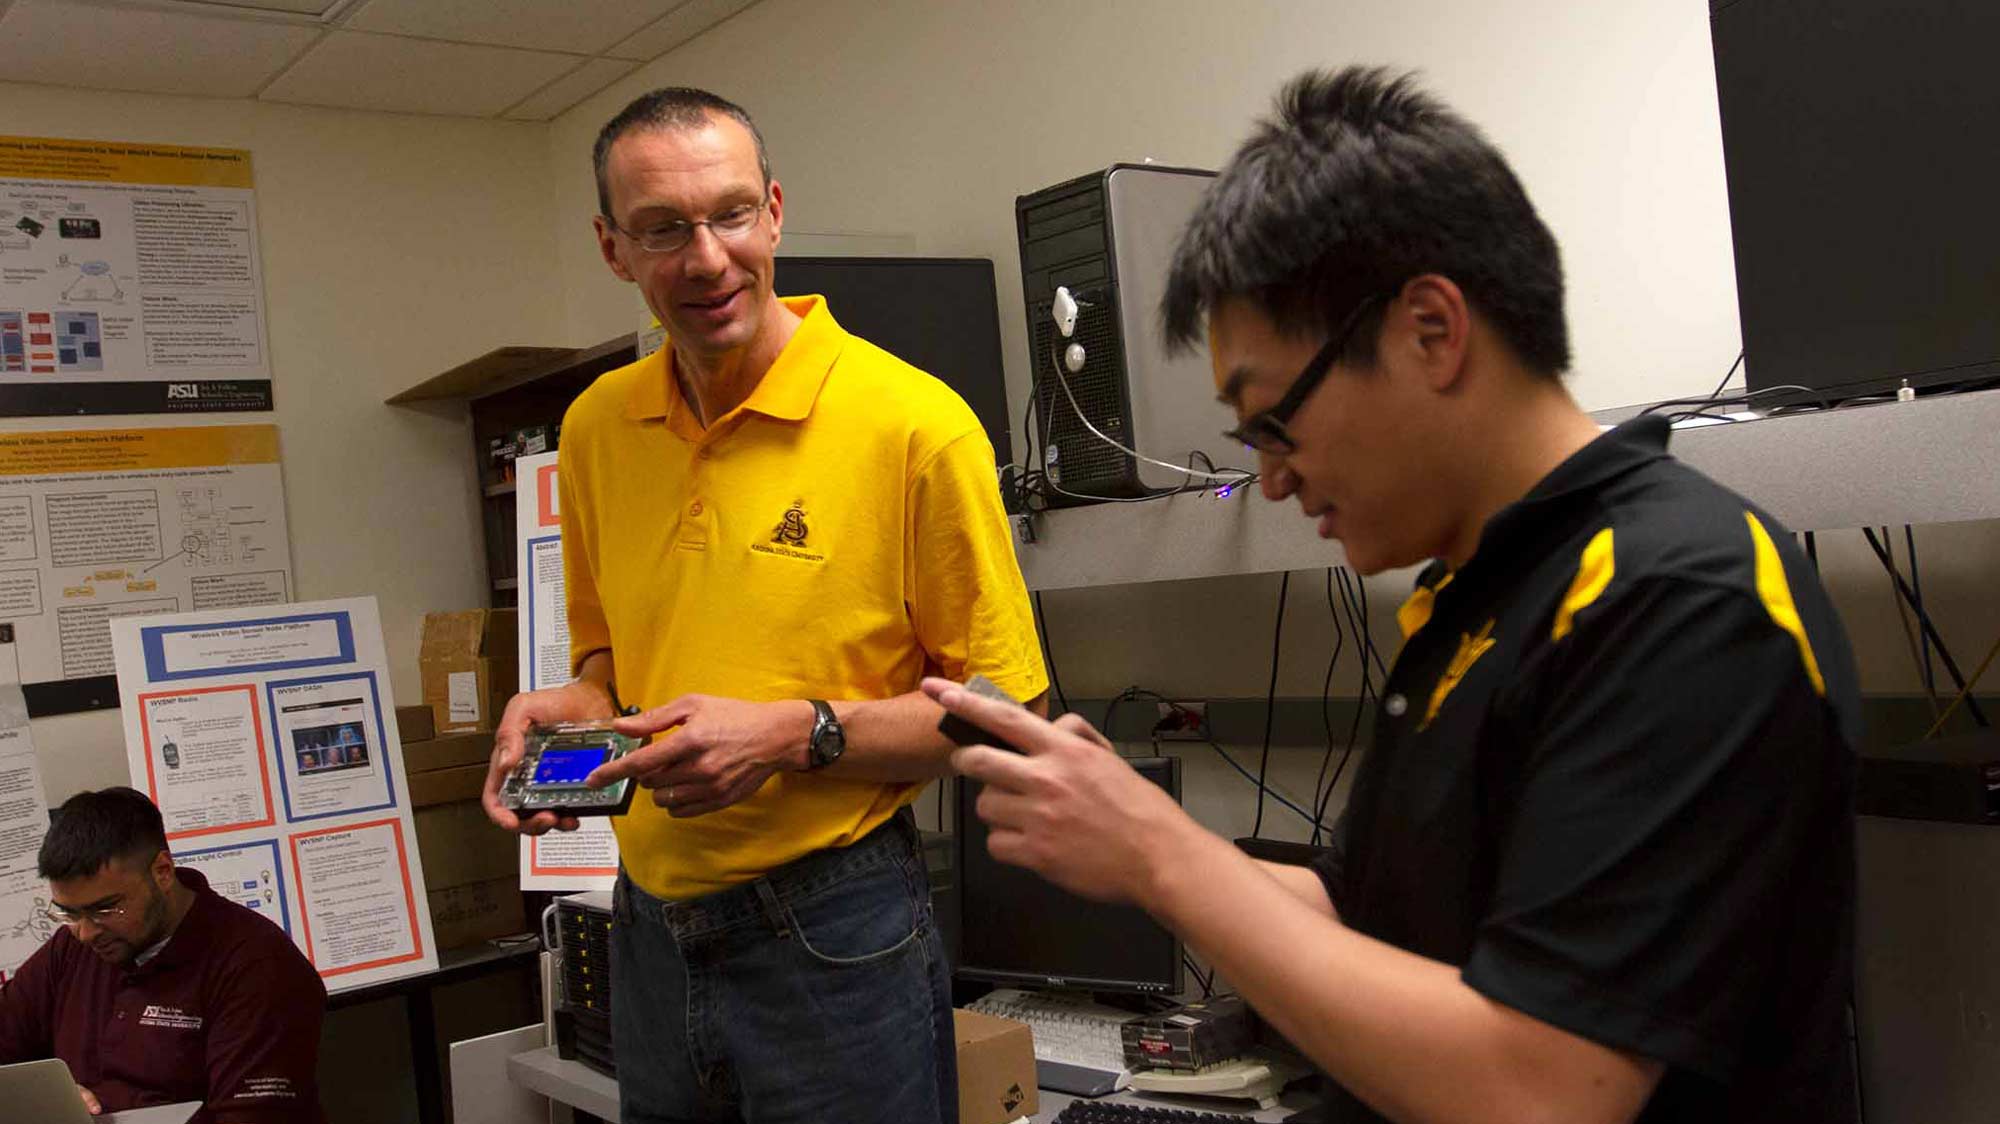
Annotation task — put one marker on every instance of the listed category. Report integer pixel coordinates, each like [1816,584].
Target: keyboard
[1077,1045]
[1099,1112]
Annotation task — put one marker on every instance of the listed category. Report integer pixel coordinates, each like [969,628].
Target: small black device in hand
[962,732]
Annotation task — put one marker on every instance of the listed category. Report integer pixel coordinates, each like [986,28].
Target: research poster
[266,734]
[24,819]
[587,858]
[101,524]
[130,281]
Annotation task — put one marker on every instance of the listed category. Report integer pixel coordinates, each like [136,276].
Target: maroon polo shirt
[227,1013]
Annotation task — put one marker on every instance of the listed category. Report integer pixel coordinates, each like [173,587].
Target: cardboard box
[996,1069]
[469,668]
[448,752]
[458,846]
[463,915]
[442,786]
[415,724]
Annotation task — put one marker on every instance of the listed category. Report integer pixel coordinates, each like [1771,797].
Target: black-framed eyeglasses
[668,237]
[1265,431]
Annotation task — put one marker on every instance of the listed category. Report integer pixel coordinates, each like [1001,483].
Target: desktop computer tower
[1109,238]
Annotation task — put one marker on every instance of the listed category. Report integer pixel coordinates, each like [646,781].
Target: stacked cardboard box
[470,667]
[471,867]
[996,1069]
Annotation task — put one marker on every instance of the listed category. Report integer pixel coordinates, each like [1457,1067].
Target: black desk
[454,966]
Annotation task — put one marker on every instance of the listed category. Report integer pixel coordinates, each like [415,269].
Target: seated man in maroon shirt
[158,990]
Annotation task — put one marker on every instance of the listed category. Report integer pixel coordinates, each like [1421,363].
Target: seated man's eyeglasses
[668,237]
[1265,432]
[95,914]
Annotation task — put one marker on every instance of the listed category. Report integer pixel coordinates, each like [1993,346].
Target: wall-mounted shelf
[505,390]
[1927,461]
[506,367]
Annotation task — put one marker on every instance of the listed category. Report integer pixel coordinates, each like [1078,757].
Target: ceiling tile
[676,27]
[139,49]
[571,88]
[356,70]
[584,27]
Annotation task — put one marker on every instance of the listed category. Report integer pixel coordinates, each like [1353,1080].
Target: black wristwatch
[828,740]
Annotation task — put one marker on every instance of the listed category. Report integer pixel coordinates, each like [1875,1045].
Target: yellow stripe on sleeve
[1776,594]
[1593,573]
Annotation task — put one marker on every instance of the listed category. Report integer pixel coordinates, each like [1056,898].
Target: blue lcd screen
[569,766]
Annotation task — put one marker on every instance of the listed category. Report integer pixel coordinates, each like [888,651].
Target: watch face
[829,741]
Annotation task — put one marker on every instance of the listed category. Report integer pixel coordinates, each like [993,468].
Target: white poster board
[98,524]
[24,820]
[587,858]
[267,739]
[130,281]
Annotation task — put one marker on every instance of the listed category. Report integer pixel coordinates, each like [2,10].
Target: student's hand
[1067,806]
[90,1104]
[723,751]
[571,702]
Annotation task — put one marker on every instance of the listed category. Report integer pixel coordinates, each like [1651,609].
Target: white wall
[393,248]
[931,116]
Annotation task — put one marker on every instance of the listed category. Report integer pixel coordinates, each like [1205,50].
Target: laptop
[43,1091]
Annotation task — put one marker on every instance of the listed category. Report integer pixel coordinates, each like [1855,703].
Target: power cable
[1325,695]
[1271,703]
[1924,620]
[1964,693]
[1917,588]
[1048,654]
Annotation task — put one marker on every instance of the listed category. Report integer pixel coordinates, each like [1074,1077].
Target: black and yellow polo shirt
[1612,779]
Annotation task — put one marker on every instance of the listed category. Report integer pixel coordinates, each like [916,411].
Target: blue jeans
[818,993]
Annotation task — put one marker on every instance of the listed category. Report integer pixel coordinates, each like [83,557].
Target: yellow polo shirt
[838,536]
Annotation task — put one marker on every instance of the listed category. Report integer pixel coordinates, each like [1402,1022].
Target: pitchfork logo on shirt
[1471,646]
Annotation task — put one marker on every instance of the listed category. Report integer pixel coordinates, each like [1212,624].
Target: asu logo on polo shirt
[789,539]
[170,1018]
[792,529]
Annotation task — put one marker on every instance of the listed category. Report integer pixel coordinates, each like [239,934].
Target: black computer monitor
[1016,929]
[937,314]
[1860,202]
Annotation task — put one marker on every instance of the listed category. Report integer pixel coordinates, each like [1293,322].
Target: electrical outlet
[1182,720]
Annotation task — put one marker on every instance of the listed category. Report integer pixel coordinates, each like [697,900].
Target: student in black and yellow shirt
[1598,864]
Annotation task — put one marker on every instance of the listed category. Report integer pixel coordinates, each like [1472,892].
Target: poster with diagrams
[266,736]
[101,524]
[24,818]
[130,280]
[587,858]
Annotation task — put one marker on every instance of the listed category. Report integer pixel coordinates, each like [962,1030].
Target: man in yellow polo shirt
[772,531]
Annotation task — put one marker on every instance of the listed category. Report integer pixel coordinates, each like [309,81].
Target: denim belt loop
[774,912]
